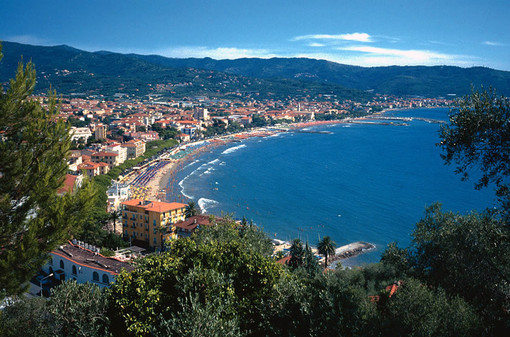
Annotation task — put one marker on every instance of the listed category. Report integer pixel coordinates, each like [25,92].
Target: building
[118,149]
[135,148]
[110,158]
[100,131]
[116,194]
[201,114]
[190,225]
[94,169]
[151,223]
[83,263]
[80,133]
[71,183]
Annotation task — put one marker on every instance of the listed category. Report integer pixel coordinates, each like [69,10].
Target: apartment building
[151,222]
[135,148]
[110,158]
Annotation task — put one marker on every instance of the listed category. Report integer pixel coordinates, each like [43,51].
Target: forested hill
[409,80]
[107,73]
[73,71]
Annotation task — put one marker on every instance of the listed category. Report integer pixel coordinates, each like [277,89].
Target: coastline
[157,187]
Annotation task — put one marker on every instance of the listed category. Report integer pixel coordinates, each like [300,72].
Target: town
[107,133]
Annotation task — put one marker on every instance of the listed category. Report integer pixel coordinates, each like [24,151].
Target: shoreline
[157,187]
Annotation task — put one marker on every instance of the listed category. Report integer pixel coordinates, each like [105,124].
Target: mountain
[398,80]
[73,71]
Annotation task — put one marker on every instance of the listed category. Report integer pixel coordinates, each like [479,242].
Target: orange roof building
[151,223]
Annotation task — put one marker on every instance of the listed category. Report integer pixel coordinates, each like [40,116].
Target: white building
[80,133]
[119,149]
[117,193]
[83,263]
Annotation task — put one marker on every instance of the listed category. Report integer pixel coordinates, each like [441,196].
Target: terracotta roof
[104,154]
[88,165]
[192,222]
[68,184]
[155,206]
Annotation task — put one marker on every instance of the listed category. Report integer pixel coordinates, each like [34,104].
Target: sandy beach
[155,188]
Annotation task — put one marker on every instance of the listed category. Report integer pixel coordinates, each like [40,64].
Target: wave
[205,203]
[215,161]
[208,171]
[233,149]
[181,185]
[191,164]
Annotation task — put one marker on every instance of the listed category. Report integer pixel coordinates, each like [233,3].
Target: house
[110,158]
[94,169]
[71,182]
[135,148]
[186,227]
[151,223]
[83,263]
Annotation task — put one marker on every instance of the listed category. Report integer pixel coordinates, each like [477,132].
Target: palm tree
[326,247]
[191,209]
[114,216]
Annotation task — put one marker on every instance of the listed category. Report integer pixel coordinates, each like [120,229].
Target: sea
[357,182]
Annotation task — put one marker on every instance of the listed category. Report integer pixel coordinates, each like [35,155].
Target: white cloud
[215,53]
[359,37]
[315,44]
[387,56]
[493,43]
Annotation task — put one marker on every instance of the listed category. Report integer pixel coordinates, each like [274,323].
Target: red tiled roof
[155,206]
[68,184]
[192,222]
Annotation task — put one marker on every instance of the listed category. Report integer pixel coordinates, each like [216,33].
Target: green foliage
[73,310]
[34,220]
[326,247]
[79,309]
[191,209]
[417,310]
[197,319]
[478,138]
[26,317]
[226,270]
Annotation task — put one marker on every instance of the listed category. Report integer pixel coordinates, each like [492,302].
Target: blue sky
[366,33]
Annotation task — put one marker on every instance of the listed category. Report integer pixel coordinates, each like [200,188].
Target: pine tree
[34,220]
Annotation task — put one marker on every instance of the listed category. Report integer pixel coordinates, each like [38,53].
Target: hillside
[409,80]
[74,71]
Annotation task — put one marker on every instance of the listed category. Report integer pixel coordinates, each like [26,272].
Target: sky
[367,33]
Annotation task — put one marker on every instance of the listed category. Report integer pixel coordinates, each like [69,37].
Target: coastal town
[107,133]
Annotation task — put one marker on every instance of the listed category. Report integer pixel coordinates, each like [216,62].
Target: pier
[352,249]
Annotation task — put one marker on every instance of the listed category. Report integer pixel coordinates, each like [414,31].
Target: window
[74,270]
[61,264]
[155,241]
[106,279]
[95,276]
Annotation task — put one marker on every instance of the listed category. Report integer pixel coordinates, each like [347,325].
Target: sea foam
[233,149]
[205,203]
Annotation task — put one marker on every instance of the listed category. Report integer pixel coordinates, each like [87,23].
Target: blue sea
[360,183]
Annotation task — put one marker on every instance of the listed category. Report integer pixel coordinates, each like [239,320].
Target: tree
[114,216]
[478,138]
[467,255]
[34,220]
[297,253]
[191,209]
[326,247]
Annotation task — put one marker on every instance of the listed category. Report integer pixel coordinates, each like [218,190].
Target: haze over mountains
[71,70]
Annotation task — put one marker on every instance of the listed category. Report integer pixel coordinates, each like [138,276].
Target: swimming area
[361,182]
